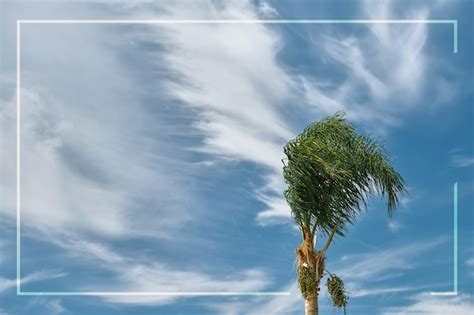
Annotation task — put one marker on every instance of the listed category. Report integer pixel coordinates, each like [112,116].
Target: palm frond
[332,172]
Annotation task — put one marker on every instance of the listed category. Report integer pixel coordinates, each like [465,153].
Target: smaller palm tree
[331,172]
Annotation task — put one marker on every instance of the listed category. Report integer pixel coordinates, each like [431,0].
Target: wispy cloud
[7,284]
[470,262]
[373,266]
[237,87]
[2,249]
[382,69]
[356,291]
[462,160]
[107,158]
[156,277]
[265,10]
[394,226]
[90,187]
[53,306]
[142,273]
[117,156]
[428,304]
[363,273]
[278,305]
[236,93]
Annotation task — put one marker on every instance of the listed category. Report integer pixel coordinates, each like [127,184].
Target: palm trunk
[311,305]
[310,259]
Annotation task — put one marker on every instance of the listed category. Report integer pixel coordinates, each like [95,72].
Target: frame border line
[169,21]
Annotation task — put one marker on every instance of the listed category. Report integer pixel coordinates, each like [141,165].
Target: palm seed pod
[337,291]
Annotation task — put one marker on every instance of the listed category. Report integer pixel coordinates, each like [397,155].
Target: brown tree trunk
[308,257]
[311,305]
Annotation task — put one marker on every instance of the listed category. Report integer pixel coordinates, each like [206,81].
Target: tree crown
[332,171]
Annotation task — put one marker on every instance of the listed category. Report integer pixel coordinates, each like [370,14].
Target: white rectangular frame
[454,23]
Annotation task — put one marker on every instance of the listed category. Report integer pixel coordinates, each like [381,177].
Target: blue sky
[151,154]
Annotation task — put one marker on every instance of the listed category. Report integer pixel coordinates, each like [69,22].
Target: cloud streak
[374,266]
[427,304]
[144,274]
[7,284]
[236,86]
[462,161]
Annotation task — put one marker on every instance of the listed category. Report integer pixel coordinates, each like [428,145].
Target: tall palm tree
[331,172]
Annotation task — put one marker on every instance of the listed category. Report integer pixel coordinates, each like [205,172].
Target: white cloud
[53,306]
[265,10]
[277,305]
[142,274]
[382,72]
[234,83]
[277,210]
[375,265]
[462,161]
[355,291]
[348,53]
[7,284]
[428,304]
[394,226]
[362,273]
[93,173]
[470,264]
[86,166]
[236,86]
[156,277]
[2,249]
[407,63]
[81,174]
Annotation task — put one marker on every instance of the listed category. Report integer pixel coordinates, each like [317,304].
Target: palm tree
[331,172]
